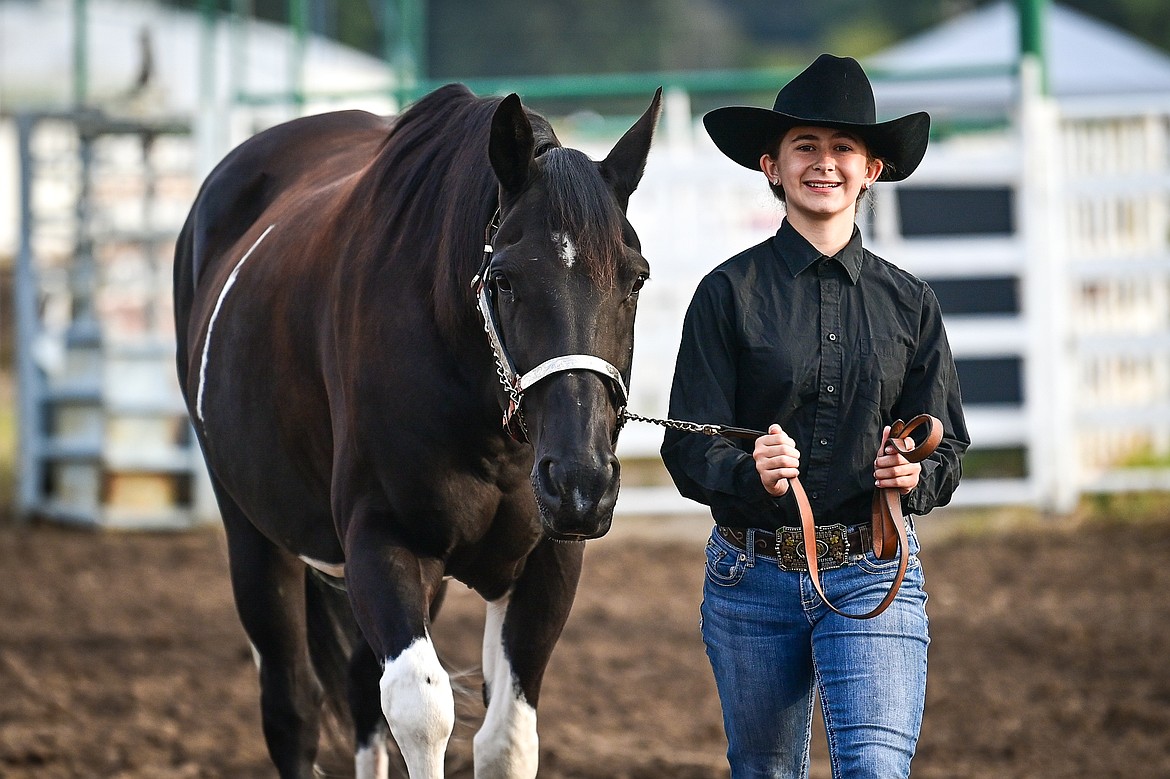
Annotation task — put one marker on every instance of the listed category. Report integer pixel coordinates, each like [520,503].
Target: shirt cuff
[921,499]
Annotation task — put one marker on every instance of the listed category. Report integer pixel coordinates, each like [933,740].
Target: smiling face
[821,171]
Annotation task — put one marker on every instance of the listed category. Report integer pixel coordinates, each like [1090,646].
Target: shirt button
[824,442]
[832,336]
[830,388]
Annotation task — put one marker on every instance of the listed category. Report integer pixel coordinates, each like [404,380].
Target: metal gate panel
[104,437]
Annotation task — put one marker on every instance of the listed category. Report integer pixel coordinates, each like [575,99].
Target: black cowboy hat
[831,92]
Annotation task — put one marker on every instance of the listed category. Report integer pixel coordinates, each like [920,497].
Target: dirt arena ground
[120,656]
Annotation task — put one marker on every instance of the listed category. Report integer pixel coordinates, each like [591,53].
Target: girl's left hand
[893,471]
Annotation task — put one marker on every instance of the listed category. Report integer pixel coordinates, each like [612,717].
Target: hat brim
[746,133]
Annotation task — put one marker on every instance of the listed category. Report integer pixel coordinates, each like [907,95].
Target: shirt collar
[798,254]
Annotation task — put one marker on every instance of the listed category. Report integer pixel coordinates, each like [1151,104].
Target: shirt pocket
[883,369]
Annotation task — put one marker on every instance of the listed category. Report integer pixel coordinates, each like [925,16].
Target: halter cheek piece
[514,383]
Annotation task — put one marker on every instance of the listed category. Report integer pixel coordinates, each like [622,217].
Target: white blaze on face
[419,707]
[566,249]
[506,746]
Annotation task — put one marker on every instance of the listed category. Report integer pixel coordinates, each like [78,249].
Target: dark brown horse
[331,293]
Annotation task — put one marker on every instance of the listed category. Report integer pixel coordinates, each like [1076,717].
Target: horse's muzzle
[576,497]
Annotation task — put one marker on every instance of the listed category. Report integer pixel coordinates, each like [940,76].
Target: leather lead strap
[889,526]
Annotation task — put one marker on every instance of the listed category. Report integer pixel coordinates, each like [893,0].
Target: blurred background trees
[618,35]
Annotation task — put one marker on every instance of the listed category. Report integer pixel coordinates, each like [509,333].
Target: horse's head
[563,282]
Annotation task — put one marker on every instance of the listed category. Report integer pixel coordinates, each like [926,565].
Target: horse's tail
[333,635]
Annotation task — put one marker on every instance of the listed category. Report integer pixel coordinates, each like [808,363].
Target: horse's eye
[501,282]
[639,283]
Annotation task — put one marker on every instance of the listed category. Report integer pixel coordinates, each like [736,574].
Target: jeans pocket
[872,565]
[724,568]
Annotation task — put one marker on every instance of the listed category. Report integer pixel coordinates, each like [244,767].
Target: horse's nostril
[550,475]
[615,466]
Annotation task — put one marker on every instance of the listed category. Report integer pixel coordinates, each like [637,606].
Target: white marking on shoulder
[336,570]
[566,249]
[419,707]
[507,744]
[231,280]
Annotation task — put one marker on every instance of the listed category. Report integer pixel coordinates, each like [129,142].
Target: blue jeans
[770,639]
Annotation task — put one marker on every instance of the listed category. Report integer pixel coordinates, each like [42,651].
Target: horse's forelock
[581,205]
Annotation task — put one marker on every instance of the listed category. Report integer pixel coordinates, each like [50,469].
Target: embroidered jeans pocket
[723,567]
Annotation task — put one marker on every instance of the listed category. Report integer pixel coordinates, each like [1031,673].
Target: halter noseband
[514,383]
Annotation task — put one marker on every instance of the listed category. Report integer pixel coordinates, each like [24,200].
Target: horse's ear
[511,146]
[626,162]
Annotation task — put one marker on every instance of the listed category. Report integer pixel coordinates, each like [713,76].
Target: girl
[824,344]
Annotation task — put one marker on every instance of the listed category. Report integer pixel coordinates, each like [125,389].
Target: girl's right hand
[777,460]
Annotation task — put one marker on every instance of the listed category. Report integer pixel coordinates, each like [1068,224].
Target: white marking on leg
[372,761]
[336,570]
[566,249]
[419,707]
[506,746]
[231,280]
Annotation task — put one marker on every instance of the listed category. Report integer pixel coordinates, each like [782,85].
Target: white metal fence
[1083,266]
[1086,256]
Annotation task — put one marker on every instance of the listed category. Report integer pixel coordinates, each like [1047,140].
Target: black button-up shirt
[831,349]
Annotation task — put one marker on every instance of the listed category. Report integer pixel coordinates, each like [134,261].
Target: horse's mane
[432,193]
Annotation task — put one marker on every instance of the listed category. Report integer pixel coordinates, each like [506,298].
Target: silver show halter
[514,383]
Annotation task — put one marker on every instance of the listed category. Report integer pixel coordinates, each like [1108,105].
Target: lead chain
[673,424]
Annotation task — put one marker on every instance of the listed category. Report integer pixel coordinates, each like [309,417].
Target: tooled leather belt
[836,544]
